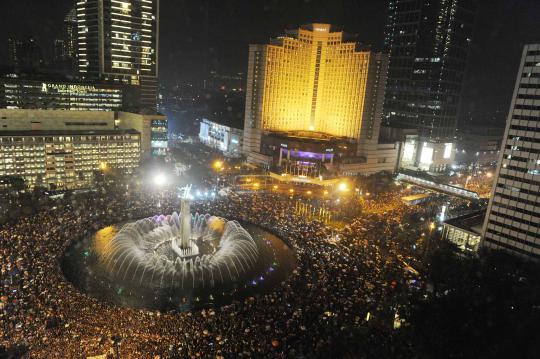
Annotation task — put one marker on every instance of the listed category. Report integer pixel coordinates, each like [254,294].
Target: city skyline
[222,45]
[270,178]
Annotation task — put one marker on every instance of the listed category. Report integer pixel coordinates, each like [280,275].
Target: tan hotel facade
[314,86]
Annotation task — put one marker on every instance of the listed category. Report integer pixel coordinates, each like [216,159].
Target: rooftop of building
[471,222]
[320,28]
[38,133]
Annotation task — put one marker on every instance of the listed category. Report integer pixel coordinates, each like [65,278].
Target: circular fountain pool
[178,262]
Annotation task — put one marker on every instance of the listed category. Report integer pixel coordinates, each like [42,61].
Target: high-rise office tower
[118,40]
[24,54]
[513,217]
[428,42]
[70,34]
[14,51]
[59,50]
[317,86]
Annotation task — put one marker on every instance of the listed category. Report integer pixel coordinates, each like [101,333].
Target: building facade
[24,54]
[513,217]
[312,94]
[152,128]
[224,138]
[428,42]
[59,159]
[479,146]
[465,231]
[118,40]
[21,93]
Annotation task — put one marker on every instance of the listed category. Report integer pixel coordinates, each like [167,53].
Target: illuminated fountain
[179,251]
[177,261]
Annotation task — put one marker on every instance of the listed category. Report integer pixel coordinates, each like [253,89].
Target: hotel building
[313,97]
[118,40]
[513,216]
[59,159]
[22,93]
[152,128]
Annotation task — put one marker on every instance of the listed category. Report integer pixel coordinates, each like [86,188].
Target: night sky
[199,34]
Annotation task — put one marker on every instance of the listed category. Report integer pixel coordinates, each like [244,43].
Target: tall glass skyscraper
[428,42]
[513,218]
[118,40]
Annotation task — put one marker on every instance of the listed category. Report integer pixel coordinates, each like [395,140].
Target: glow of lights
[443,212]
[427,155]
[275,187]
[218,165]
[160,179]
[325,192]
[447,150]
[489,174]
[103,166]
[343,187]
[308,192]
[408,152]
[291,190]
[291,84]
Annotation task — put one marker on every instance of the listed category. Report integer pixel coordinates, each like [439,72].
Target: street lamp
[103,166]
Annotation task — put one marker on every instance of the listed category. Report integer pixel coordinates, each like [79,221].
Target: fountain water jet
[180,249]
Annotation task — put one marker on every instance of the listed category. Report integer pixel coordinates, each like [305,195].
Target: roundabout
[179,261]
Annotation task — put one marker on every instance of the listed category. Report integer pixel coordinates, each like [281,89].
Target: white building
[513,218]
[427,155]
[224,138]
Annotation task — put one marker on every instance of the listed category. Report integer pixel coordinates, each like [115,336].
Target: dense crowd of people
[348,287]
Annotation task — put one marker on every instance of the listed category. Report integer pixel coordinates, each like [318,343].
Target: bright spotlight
[343,187]
[160,179]
[218,165]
